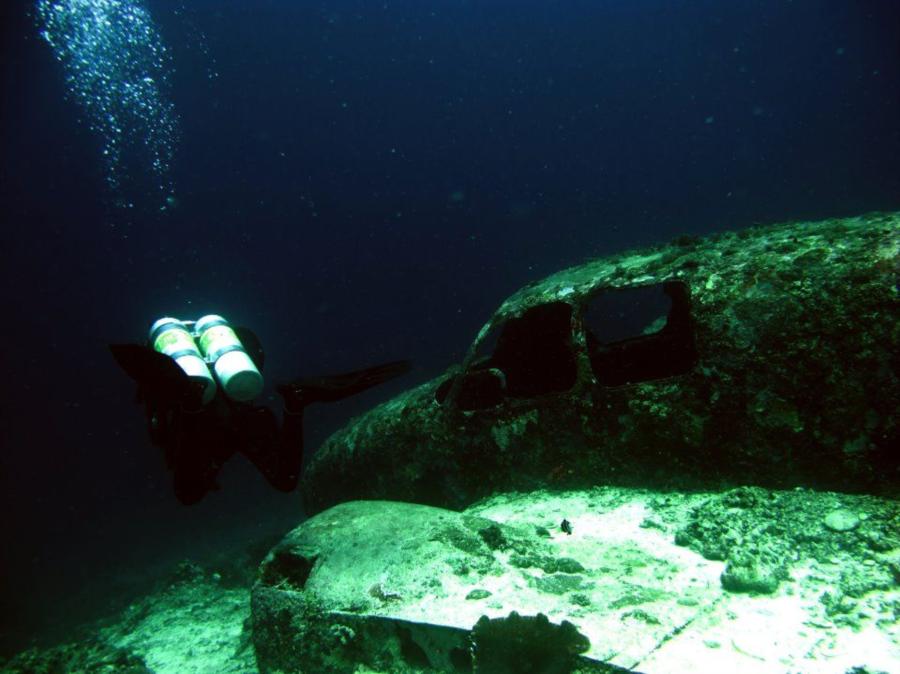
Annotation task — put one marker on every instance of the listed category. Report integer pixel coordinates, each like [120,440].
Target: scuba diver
[197,381]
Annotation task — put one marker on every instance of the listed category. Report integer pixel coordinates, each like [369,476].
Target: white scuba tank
[171,337]
[238,375]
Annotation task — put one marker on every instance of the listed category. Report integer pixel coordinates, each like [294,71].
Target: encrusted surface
[193,623]
[399,587]
[795,326]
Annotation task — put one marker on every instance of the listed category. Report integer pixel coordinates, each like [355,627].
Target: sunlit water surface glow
[116,67]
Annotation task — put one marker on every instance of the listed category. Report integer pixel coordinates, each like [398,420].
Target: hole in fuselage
[533,356]
[640,334]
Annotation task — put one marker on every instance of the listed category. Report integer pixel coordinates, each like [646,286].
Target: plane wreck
[766,356]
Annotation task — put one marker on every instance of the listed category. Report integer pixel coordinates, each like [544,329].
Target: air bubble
[110,53]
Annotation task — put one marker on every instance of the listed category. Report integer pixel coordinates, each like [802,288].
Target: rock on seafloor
[194,622]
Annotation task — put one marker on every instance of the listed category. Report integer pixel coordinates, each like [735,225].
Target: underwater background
[360,182]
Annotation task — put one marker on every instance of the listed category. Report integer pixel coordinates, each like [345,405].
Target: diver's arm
[276,452]
[162,386]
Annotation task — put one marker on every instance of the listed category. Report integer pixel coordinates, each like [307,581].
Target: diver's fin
[302,392]
[252,345]
[157,374]
[141,362]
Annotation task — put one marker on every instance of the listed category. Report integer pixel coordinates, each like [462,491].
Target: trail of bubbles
[197,39]
[117,68]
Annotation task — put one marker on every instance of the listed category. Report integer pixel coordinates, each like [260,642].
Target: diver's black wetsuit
[198,439]
[198,442]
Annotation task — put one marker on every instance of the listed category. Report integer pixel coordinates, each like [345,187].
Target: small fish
[566,526]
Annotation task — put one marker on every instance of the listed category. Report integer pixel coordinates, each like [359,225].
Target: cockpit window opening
[532,356]
[640,334]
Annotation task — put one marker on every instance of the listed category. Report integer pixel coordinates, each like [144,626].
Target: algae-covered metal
[764,356]
[745,580]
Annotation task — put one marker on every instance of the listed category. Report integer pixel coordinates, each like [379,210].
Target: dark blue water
[363,181]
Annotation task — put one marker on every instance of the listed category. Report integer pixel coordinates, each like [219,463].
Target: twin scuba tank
[209,351]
